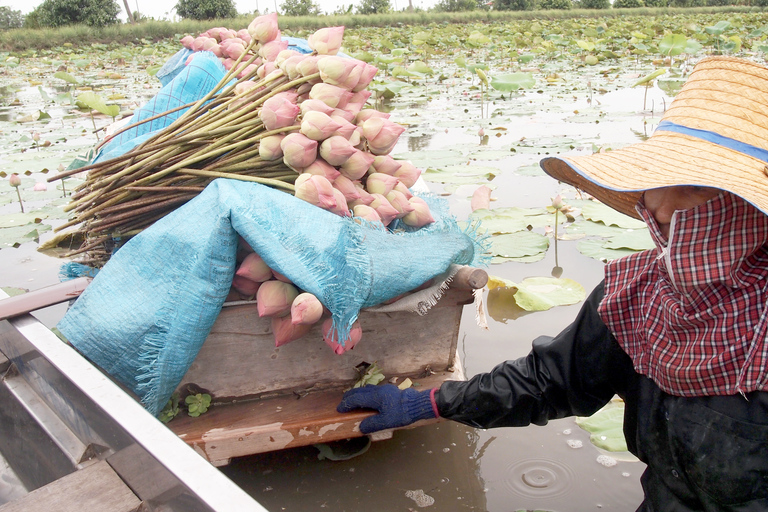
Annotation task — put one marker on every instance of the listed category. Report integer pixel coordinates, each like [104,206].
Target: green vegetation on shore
[26,40]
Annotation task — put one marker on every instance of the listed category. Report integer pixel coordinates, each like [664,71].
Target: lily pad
[596,249]
[542,293]
[599,212]
[513,81]
[519,244]
[511,220]
[635,240]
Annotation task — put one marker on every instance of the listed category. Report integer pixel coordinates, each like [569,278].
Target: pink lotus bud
[244,35]
[286,331]
[365,197]
[245,286]
[366,77]
[331,95]
[368,113]
[340,71]
[270,50]
[249,70]
[380,183]
[227,33]
[303,91]
[286,54]
[381,134]
[308,65]
[408,173]
[214,32]
[266,68]
[481,198]
[233,51]
[254,268]
[264,28]
[356,139]
[403,190]
[279,111]
[336,150]
[298,150]
[318,126]
[344,114]
[356,103]
[345,129]
[227,63]
[306,309]
[290,66]
[326,41]
[317,105]
[366,212]
[323,168]
[356,165]
[14,180]
[386,211]
[385,164]
[420,216]
[186,42]
[329,336]
[281,277]
[243,88]
[274,298]
[199,42]
[341,208]
[316,190]
[400,203]
[40,186]
[347,188]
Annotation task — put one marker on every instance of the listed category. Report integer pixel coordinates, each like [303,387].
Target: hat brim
[618,178]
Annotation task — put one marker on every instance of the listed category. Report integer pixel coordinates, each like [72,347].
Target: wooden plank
[96,488]
[239,359]
[264,425]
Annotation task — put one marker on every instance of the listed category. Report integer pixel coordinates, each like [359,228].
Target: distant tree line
[99,13]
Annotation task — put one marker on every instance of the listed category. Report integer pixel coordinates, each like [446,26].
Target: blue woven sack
[148,311]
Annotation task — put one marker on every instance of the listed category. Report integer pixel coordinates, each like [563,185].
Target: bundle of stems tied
[278,117]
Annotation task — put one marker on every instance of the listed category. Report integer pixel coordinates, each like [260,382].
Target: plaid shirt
[691,313]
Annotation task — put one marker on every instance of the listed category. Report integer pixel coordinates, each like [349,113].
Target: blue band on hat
[714,138]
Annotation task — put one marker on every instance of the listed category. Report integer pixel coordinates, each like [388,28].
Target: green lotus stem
[264,181]
[21,204]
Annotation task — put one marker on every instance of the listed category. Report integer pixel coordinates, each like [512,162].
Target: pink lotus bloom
[380,183]
[481,198]
[279,111]
[340,71]
[347,187]
[385,164]
[264,28]
[245,286]
[323,168]
[398,200]
[386,211]
[366,212]
[306,309]
[368,113]
[274,298]
[316,105]
[420,216]
[254,268]
[366,77]
[326,41]
[316,190]
[318,126]
[331,95]
[186,42]
[285,331]
[336,150]
[270,50]
[345,129]
[408,173]
[356,165]
[330,337]
[40,186]
[298,150]
[381,134]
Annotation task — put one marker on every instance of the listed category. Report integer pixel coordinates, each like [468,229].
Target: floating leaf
[599,212]
[606,427]
[635,240]
[513,81]
[63,75]
[520,244]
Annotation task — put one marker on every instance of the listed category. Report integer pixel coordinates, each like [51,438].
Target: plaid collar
[690,312]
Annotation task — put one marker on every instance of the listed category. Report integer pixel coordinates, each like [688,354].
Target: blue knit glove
[397,408]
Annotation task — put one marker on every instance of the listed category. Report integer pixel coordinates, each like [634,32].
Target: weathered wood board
[96,488]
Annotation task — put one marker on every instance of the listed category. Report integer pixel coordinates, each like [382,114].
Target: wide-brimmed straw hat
[714,134]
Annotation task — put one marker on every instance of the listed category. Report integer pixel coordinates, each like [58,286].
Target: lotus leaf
[513,81]
[606,427]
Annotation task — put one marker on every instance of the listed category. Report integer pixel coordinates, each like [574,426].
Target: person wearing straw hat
[680,332]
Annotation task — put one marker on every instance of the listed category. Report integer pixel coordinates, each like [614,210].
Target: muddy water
[447,466]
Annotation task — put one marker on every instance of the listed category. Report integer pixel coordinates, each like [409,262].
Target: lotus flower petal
[306,309]
[331,95]
[279,111]
[316,190]
[420,216]
[368,113]
[386,211]
[385,164]
[298,150]
[336,150]
[381,134]
[317,105]
[356,165]
[366,212]
[330,338]
[326,41]
[347,187]
[408,173]
[400,203]
[323,168]
[285,331]
[270,50]
[254,268]
[264,28]
[318,126]
[245,286]
[380,183]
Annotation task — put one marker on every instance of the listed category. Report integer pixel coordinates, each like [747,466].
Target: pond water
[445,466]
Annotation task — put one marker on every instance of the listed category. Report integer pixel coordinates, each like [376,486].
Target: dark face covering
[690,313]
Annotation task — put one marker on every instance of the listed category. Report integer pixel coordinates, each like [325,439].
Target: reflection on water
[419,142]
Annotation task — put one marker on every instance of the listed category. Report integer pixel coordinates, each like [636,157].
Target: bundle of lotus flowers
[298,122]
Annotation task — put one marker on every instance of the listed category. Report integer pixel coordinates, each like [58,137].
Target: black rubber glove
[397,408]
